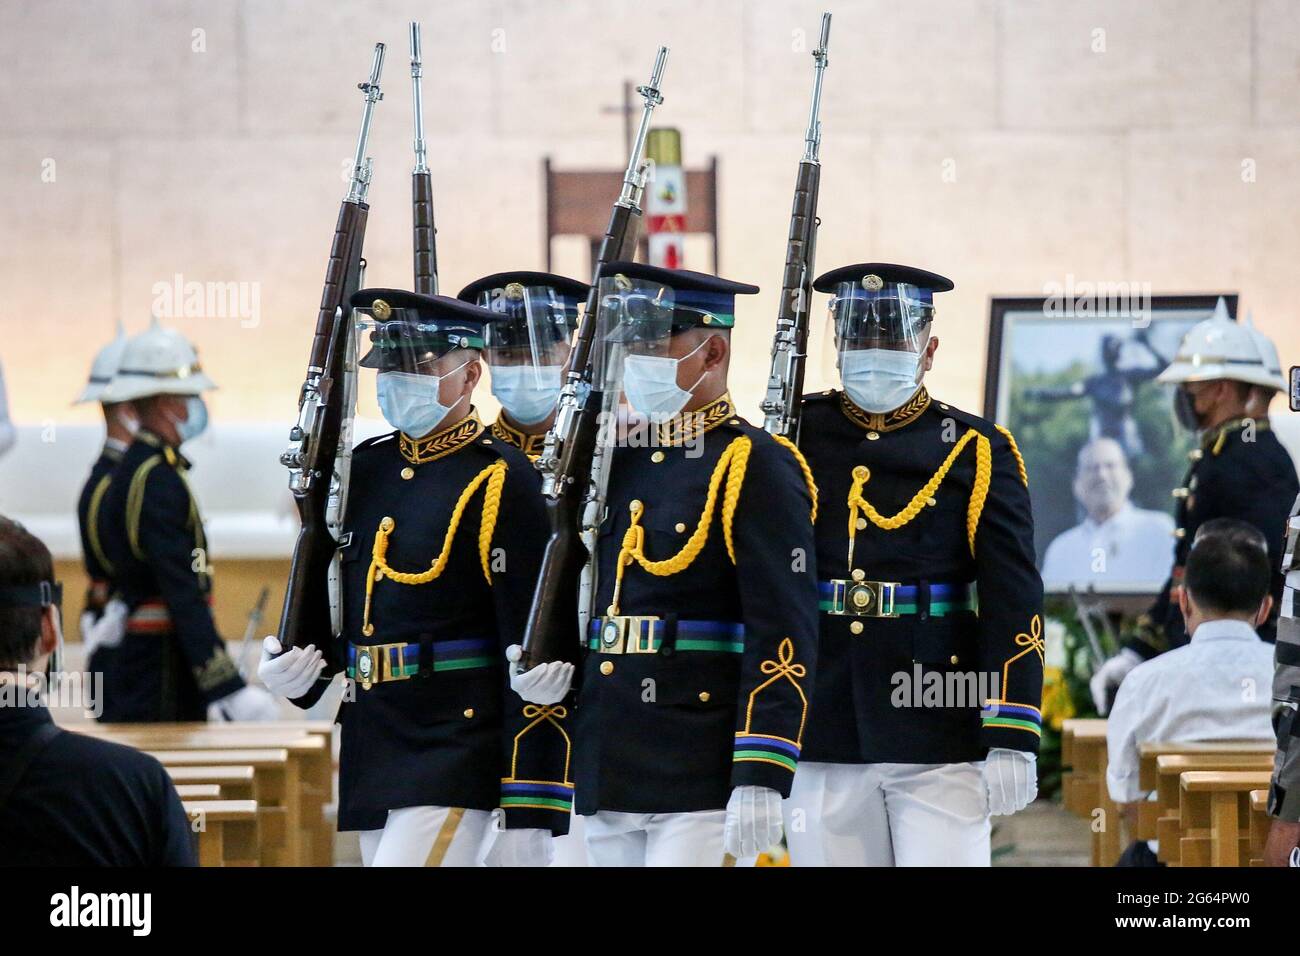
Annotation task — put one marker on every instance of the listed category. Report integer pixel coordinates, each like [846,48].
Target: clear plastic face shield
[634,318]
[879,331]
[536,330]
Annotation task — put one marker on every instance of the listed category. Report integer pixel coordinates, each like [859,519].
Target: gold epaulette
[1015,451]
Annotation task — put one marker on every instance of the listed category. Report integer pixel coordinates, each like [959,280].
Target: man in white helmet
[172,664]
[1226,373]
[103,621]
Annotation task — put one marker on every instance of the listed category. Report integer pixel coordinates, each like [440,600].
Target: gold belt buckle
[863,598]
[375,665]
[624,634]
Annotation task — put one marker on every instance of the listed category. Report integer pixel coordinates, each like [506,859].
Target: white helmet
[1220,348]
[103,368]
[158,361]
[1268,352]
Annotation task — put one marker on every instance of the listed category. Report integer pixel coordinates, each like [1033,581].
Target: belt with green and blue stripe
[861,598]
[380,663]
[647,634]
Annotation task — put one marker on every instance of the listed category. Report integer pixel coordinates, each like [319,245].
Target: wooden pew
[1169,768]
[1260,822]
[1149,751]
[226,831]
[1083,751]
[1214,816]
[235,782]
[198,791]
[276,779]
[310,755]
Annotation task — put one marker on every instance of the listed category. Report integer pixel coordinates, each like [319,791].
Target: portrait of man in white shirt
[1117,545]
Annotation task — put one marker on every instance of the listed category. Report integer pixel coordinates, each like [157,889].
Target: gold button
[856,627]
[680,527]
[634,506]
[861,472]
[368,630]
[379,574]
[408,473]
[943,406]
[931,502]
[1180,533]
[708,319]
[607,667]
[1180,492]
[858,574]
[704,696]
[487,441]
[735,421]
[657,457]
[953,659]
[861,597]
[872,436]
[862,523]
[469,712]
[387,524]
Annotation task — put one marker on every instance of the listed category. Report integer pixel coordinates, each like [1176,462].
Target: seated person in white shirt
[1117,543]
[1219,686]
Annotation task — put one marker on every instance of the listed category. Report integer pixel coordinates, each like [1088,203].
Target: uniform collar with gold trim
[530,445]
[421,451]
[688,426]
[905,414]
[1212,439]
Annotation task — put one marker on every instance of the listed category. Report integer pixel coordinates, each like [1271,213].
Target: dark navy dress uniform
[93,558]
[701,683]
[78,801]
[1238,470]
[949,588]
[172,663]
[442,543]
[701,654]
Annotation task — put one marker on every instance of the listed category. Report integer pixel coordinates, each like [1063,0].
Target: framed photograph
[1073,378]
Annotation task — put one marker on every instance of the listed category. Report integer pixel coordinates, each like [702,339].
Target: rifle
[783,402]
[250,629]
[424,233]
[315,478]
[570,482]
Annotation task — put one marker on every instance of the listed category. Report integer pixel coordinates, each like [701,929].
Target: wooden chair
[1214,816]
[276,779]
[198,791]
[1169,768]
[226,831]
[1083,751]
[235,782]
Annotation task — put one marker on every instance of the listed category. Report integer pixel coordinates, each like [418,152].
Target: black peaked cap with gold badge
[700,300]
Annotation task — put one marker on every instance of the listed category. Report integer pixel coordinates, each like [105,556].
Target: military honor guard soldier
[443,538]
[103,621]
[699,662]
[527,348]
[926,563]
[171,664]
[1226,375]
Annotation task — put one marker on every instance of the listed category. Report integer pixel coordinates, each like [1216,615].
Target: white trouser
[429,836]
[888,814]
[571,849]
[655,839]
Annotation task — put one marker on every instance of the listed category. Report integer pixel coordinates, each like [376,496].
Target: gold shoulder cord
[732,464]
[979,492]
[92,518]
[803,466]
[494,476]
[1015,451]
[135,503]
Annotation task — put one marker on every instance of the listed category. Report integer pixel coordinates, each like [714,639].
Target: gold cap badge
[381,310]
[873,283]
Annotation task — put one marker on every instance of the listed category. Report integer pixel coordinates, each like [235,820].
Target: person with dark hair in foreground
[67,799]
[1217,687]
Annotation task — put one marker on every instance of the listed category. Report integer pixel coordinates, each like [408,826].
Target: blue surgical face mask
[650,383]
[409,401]
[528,393]
[880,380]
[196,419]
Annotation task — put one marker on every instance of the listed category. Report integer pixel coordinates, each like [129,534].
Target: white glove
[1110,675]
[543,684]
[108,631]
[753,821]
[291,674]
[524,847]
[247,703]
[1011,777]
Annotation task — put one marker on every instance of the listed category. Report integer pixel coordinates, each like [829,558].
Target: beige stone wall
[1100,138]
